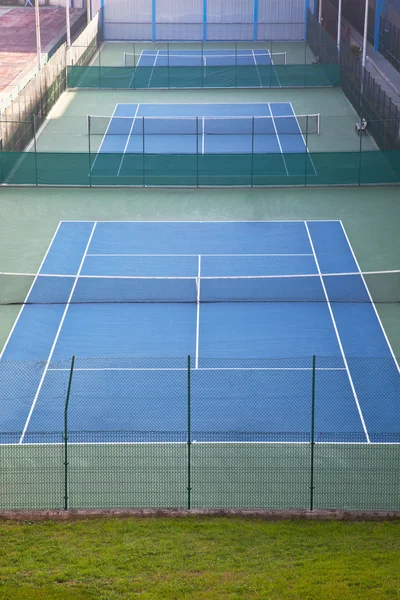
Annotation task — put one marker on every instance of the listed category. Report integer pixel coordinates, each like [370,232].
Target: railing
[223,433]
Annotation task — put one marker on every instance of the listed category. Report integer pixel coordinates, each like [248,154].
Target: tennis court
[209,64]
[247,128]
[213,58]
[241,293]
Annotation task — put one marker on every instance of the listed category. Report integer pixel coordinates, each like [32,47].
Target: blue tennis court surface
[204,58]
[130,291]
[261,128]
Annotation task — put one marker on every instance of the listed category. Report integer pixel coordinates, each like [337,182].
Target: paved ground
[18,37]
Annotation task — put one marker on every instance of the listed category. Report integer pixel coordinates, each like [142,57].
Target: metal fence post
[360,152]
[144,153]
[312,434]
[189,442]
[1,162]
[252,152]
[66,434]
[35,147]
[89,150]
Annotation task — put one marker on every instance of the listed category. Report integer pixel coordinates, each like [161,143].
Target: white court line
[279,142]
[370,297]
[198,368]
[338,338]
[198,312]
[128,139]
[152,71]
[196,255]
[258,72]
[30,289]
[304,141]
[104,137]
[56,338]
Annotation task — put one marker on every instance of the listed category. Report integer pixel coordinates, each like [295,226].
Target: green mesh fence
[239,76]
[197,170]
[212,433]
[363,91]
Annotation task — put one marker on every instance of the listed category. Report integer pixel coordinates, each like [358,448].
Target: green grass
[199,558]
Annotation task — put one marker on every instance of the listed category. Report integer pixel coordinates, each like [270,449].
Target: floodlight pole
[339,25]
[38,41]
[68,23]
[364,54]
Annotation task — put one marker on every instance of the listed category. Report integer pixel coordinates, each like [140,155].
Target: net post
[66,433]
[189,435]
[312,445]
[89,150]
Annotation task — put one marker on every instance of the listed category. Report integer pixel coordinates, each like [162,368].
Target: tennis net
[230,125]
[378,287]
[163,59]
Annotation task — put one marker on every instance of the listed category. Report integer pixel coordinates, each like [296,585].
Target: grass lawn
[199,558]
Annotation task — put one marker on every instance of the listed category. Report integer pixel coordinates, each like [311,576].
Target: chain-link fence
[200,170]
[23,112]
[364,93]
[389,41]
[186,433]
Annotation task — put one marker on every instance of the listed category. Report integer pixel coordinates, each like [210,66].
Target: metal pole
[68,24]
[339,25]
[38,41]
[1,161]
[312,434]
[35,147]
[197,151]
[320,12]
[144,153]
[189,478]
[90,152]
[306,154]
[364,54]
[252,151]
[66,434]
